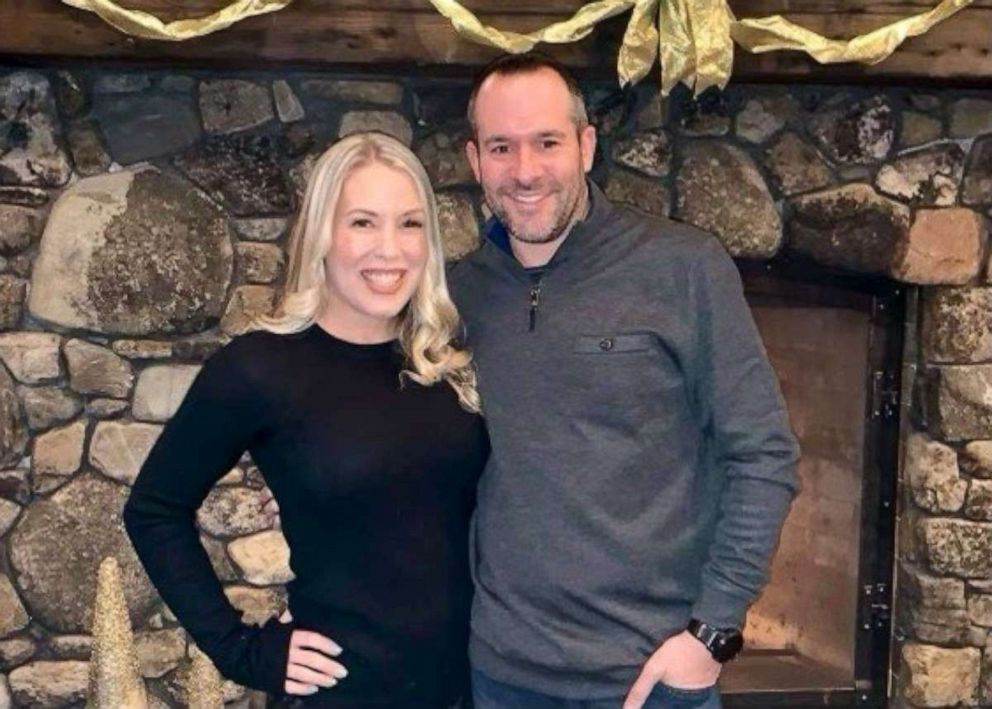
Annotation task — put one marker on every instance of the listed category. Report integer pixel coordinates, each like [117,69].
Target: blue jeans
[488,693]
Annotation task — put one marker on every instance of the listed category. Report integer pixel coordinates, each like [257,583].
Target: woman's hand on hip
[310,666]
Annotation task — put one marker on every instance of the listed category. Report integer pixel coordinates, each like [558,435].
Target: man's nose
[528,168]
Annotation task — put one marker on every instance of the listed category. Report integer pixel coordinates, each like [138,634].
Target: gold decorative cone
[115,679]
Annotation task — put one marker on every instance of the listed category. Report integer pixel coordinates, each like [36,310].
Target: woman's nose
[388,244]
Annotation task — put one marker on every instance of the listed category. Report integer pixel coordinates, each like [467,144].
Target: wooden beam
[353,35]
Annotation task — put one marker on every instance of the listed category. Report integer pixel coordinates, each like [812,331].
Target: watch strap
[723,643]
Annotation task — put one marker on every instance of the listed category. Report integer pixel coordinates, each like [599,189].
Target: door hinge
[884,395]
[878,610]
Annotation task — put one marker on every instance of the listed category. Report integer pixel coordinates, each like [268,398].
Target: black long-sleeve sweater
[376,486]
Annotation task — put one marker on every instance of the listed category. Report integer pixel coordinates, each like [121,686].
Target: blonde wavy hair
[429,323]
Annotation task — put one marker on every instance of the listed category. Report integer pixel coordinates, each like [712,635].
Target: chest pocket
[627,382]
[613,344]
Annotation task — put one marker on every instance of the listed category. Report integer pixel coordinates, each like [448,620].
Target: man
[642,462]
[642,458]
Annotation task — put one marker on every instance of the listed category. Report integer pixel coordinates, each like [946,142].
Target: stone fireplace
[143,218]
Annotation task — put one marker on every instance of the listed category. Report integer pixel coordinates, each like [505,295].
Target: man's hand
[310,666]
[269,507]
[682,662]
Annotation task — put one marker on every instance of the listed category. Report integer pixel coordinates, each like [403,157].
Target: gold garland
[145,25]
[694,38]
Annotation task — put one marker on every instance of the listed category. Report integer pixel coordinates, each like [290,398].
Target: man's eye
[549,144]
[500,149]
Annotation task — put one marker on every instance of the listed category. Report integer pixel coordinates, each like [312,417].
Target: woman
[362,414]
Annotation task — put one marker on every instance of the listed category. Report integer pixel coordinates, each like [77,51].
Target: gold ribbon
[694,38]
[143,24]
[694,44]
[577,27]
[639,48]
[775,33]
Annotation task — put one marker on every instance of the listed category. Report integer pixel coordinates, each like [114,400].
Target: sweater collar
[583,232]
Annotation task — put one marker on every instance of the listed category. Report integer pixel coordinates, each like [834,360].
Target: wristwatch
[723,643]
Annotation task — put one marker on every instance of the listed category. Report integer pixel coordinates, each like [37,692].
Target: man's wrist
[722,643]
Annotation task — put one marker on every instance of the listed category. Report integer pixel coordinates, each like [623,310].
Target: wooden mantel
[383,34]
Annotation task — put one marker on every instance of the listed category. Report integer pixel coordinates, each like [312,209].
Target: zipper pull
[535,301]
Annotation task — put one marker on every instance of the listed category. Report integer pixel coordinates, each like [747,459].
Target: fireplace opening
[819,633]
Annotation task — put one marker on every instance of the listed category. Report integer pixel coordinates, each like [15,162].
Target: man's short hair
[527,63]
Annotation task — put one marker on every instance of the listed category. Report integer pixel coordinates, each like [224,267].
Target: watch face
[727,646]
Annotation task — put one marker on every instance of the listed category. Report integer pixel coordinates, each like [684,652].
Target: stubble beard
[566,200]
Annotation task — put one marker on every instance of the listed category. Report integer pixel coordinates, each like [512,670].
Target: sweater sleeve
[208,434]
[744,416]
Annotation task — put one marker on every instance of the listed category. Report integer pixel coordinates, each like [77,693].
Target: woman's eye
[413,224]
[361,223]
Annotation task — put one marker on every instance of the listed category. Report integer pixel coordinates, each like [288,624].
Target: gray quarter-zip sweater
[642,461]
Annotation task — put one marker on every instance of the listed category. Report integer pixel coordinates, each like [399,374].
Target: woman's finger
[315,641]
[318,662]
[294,687]
[305,675]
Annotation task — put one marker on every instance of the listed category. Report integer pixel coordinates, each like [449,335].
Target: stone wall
[143,218]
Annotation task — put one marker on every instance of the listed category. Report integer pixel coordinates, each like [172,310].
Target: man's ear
[472,153]
[587,144]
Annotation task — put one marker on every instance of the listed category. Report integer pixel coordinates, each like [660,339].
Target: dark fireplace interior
[818,634]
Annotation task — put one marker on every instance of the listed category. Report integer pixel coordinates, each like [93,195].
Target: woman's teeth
[383,280]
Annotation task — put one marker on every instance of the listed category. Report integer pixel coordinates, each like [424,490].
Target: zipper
[535,301]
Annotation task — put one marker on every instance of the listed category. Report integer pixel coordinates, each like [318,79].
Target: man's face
[529,155]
